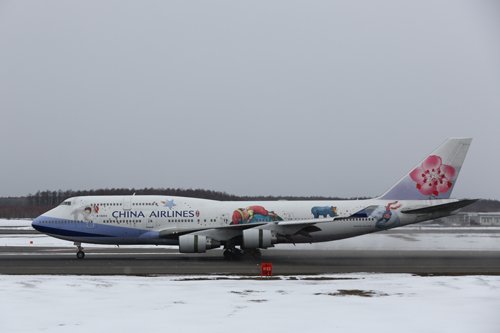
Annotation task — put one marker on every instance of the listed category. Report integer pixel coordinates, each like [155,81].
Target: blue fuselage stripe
[66,232]
[70,228]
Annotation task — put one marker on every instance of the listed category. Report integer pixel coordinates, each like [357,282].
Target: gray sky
[335,98]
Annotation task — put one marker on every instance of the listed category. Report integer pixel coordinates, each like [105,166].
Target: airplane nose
[35,224]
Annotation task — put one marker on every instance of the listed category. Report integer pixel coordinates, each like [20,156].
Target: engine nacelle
[196,244]
[258,238]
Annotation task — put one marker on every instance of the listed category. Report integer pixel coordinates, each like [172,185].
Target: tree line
[32,205]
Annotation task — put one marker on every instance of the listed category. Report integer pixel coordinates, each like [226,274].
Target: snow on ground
[338,303]
[15,222]
[413,242]
[4,223]
[39,240]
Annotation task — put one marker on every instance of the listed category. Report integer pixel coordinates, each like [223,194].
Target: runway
[423,251]
[161,261]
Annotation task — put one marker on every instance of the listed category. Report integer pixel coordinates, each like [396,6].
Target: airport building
[470,219]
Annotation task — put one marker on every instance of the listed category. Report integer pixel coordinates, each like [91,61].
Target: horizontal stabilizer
[447,207]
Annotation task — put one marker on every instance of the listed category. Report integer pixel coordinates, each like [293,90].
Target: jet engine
[258,238]
[196,244]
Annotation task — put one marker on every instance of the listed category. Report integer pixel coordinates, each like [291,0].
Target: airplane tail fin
[435,176]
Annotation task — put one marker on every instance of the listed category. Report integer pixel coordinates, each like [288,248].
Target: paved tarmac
[159,261]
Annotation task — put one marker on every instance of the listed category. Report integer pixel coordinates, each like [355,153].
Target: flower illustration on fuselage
[433,177]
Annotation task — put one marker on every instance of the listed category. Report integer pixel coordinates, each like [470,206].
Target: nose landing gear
[79,254]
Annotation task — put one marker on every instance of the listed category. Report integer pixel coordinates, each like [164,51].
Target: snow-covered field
[339,303]
[403,240]
[15,224]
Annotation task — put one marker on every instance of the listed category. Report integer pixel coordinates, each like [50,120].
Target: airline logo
[156,213]
[170,213]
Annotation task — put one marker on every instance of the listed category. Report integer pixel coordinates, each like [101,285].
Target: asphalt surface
[159,261]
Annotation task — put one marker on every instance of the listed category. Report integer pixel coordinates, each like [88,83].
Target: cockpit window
[66,203]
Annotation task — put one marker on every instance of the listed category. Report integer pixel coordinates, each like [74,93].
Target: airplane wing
[222,233]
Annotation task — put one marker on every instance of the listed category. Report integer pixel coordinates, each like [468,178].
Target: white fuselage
[158,219]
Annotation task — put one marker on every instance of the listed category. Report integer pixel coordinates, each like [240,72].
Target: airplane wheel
[80,254]
[228,254]
[233,254]
[254,253]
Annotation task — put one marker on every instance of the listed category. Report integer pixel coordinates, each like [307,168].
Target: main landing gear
[79,254]
[233,253]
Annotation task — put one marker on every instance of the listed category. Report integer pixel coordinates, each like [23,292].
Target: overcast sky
[334,98]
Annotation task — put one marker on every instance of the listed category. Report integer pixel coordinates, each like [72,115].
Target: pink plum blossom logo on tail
[433,177]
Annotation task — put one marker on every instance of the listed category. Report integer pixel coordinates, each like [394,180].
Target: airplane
[197,225]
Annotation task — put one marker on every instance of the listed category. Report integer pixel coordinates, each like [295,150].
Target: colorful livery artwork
[254,214]
[324,211]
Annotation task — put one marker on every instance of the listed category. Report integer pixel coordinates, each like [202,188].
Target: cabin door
[127,203]
[224,219]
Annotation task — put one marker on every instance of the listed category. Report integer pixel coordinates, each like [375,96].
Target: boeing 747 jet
[197,225]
